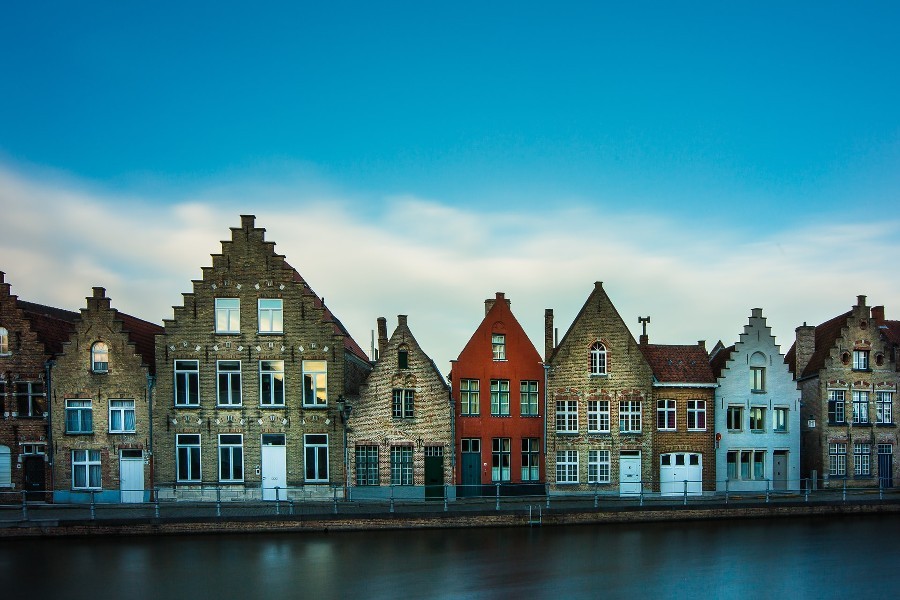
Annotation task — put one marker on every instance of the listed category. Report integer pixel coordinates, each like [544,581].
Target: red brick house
[498,394]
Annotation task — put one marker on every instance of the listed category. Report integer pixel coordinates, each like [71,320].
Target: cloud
[437,263]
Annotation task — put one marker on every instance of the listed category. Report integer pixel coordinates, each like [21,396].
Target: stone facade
[400,432]
[848,371]
[754,381]
[101,397]
[30,335]
[600,389]
[250,374]
[498,394]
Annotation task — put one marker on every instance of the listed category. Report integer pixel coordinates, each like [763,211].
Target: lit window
[228,315]
[468,396]
[271,382]
[401,465]
[598,359]
[665,415]
[403,401]
[79,416]
[860,360]
[696,415]
[598,466]
[598,416]
[528,398]
[86,469]
[315,383]
[271,318]
[566,466]
[630,416]
[4,341]
[498,345]
[99,357]
[187,457]
[228,376]
[187,383]
[121,416]
[231,457]
[499,397]
[501,459]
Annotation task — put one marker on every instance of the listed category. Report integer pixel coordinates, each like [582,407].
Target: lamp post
[345,408]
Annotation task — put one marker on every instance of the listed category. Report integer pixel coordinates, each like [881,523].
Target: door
[471,467]
[680,472]
[274,467]
[131,476]
[886,465]
[434,472]
[779,470]
[630,472]
[34,476]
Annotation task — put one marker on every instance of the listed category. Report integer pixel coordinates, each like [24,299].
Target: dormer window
[598,359]
[99,357]
[4,341]
[403,357]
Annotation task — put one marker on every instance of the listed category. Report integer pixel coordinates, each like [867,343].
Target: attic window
[403,357]
[99,358]
[845,358]
[4,341]
[879,359]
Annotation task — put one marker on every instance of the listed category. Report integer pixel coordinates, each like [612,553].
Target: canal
[843,557]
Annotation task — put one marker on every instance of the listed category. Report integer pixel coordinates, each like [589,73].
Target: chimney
[98,300]
[247,222]
[878,314]
[4,287]
[644,339]
[756,313]
[490,302]
[804,348]
[382,336]
[702,344]
[548,333]
[861,300]
[401,322]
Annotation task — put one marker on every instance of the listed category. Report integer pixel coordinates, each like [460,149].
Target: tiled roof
[679,364]
[142,334]
[719,358]
[890,330]
[53,326]
[826,334]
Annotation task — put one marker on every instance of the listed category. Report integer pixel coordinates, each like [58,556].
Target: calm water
[806,558]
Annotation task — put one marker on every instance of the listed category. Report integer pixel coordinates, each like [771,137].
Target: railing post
[641,483]
[334,490]
[218,501]
[446,493]
[726,491]
[392,497]
[277,502]
[806,493]
[880,488]
[497,506]
[291,506]
[845,491]
[596,493]
[767,491]
[685,493]
[547,491]
[24,505]
[93,508]
[156,503]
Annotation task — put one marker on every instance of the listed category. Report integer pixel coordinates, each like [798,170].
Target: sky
[701,159]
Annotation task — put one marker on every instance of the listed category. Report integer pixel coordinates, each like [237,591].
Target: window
[468,396]
[30,399]
[734,418]
[757,379]
[403,403]
[598,466]
[757,418]
[187,383]
[99,357]
[567,416]
[528,398]
[79,417]
[862,464]
[402,358]
[271,382]
[228,375]
[471,445]
[598,416]
[499,397]
[630,416]
[598,359]
[121,416]
[401,465]
[566,466]
[860,360]
[665,415]
[836,406]
[498,345]
[86,469]
[696,415]
[5,467]
[367,465]
[271,319]
[187,457]
[837,460]
[883,404]
[4,341]
[531,459]
[752,464]
[780,419]
[228,315]
[315,446]
[501,459]
[731,462]
[231,457]
[860,407]
[315,383]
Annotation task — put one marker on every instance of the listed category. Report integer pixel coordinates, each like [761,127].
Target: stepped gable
[143,335]
[826,334]
[719,356]
[679,363]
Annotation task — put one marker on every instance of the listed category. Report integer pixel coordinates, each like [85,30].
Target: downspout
[151,381]
[546,408]
[48,367]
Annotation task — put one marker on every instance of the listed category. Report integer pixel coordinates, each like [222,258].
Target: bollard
[93,510]
[596,493]
[880,489]
[642,494]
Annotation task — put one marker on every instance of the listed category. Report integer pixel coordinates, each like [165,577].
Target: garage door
[677,467]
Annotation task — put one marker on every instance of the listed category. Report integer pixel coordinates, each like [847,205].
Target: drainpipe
[48,367]
[151,381]
[546,405]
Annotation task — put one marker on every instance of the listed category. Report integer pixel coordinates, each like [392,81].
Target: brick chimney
[401,322]
[804,347]
[490,302]
[382,336]
[548,333]
[878,314]
[4,287]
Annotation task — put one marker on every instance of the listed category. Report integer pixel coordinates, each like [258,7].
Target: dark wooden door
[34,477]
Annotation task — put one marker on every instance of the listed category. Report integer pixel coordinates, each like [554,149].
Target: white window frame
[598,359]
[665,410]
[598,466]
[884,413]
[860,360]
[567,416]
[269,371]
[501,459]
[314,459]
[185,442]
[318,377]
[402,457]
[729,420]
[696,409]
[757,379]
[566,466]
[860,406]
[270,315]
[862,459]
[529,398]
[630,416]
[79,407]
[500,397]
[87,463]
[837,459]
[231,458]
[191,376]
[837,399]
[226,373]
[228,315]
[100,350]
[469,397]
[598,416]
[498,346]
[119,409]
[531,459]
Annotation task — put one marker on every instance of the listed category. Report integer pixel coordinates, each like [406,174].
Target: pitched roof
[52,325]
[142,334]
[825,336]
[719,357]
[678,364]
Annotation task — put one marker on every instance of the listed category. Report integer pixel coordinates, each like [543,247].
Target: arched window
[4,341]
[100,357]
[598,359]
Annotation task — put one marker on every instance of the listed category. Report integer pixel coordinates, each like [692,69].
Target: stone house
[498,394]
[101,402]
[848,369]
[400,429]
[253,371]
[757,418]
[30,336]
[600,388]
[684,401]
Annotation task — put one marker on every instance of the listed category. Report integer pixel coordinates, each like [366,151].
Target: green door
[434,472]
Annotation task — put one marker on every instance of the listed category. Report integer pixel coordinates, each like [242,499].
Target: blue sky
[699,158]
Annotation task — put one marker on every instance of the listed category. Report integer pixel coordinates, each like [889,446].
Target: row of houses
[255,389]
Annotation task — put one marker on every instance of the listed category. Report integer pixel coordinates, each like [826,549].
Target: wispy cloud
[437,263]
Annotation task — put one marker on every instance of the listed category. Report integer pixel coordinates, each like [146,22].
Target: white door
[630,472]
[274,467]
[131,476]
[677,468]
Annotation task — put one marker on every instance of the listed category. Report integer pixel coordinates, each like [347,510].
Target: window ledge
[885,424]
[599,374]
[187,406]
[757,391]
[599,433]
[273,406]
[122,432]
[567,433]
[470,416]
[229,406]
[315,406]
[79,433]
[862,424]
[501,416]
[530,416]
[757,431]
[837,423]
[696,430]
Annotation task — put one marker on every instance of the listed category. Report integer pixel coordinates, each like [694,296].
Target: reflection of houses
[498,392]
[757,413]
[30,335]
[847,372]
[599,389]
[400,433]
[101,406]
[250,372]
[683,398]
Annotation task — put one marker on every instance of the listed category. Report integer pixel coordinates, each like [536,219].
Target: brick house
[101,394]
[684,400]
[757,418]
[251,372]
[848,370]
[498,394]
[30,336]
[400,433]
[600,387]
